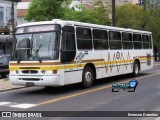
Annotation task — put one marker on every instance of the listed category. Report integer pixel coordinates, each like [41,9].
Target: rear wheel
[87,77]
[136,68]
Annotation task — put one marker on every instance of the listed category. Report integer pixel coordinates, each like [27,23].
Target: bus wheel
[88,77]
[135,69]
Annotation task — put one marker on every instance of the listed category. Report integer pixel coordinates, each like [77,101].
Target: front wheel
[136,69]
[87,77]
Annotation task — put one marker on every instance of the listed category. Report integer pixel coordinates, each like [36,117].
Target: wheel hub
[136,69]
[88,76]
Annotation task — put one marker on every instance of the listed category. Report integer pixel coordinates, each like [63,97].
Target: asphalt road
[98,98]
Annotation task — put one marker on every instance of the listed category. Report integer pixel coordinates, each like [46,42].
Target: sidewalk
[6,85]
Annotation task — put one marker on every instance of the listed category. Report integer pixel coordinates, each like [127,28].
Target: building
[6,15]
[22,11]
[108,2]
[150,4]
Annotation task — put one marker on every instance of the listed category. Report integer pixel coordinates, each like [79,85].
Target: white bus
[57,53]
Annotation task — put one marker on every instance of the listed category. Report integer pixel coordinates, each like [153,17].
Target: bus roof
[74,23]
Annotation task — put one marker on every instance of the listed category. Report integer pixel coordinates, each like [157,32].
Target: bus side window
[127,40]
[137,41]
[100,39]
[84,38]
[115,40]
[68,48]
[146,43]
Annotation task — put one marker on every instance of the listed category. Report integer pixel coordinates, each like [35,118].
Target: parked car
[4,61]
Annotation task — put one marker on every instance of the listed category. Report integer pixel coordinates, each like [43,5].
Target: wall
[5,15]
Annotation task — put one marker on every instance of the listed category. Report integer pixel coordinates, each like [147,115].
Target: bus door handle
[86,52]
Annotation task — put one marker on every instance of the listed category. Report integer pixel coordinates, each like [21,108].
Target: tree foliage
[42,10]
[131,16]
[136,17]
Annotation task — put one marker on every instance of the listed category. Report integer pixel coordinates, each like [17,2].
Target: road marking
[4,103]
[17,105]
[88,91]
[24,106]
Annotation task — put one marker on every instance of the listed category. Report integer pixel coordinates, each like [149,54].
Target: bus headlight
[12,72]
[43,71]
[49,72]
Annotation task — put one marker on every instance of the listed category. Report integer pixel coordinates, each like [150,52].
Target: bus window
[137,41]
[84,38]
[115,40]
[100,39]
[127,41]
[145,39]
[68,48]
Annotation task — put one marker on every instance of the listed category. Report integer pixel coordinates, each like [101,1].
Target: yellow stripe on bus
[56,67]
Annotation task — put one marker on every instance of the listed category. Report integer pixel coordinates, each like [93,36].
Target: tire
[136,69]
[87,77]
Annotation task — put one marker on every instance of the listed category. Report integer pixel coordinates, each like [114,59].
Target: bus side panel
[92,57]
[72,77]
[146,59]
[113,63]
[83,58]
[127,58]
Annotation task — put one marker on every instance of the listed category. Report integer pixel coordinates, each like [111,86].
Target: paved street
[98,98]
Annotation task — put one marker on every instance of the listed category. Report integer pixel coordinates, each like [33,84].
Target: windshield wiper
[19,59]
[36,53]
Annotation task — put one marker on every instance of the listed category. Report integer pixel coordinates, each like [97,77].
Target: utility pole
[12,15]
[113,14]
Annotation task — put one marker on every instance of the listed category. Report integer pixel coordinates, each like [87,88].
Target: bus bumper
[36,80]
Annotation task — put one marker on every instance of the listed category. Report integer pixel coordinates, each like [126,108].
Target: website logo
[6,114]
[129,87]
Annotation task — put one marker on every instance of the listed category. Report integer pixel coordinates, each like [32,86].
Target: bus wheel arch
[136,67]
[88,75]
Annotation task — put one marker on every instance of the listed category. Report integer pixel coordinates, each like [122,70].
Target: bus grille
[30,79]
[30,71]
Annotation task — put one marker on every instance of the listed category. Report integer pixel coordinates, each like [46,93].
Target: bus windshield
[36,46]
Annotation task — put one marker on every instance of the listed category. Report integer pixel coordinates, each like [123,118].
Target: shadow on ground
[78,87]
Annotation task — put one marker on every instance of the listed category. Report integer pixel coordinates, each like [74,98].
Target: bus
[61,52]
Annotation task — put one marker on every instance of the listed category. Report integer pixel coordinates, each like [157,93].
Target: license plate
[29,84]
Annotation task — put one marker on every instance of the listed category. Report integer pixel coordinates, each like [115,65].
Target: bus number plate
[29,84]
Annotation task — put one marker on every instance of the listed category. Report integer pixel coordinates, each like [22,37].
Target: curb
[12,89]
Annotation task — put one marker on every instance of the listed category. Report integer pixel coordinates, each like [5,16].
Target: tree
[43,10]
[135,17]
[154,26]
[131,16]
[99,14]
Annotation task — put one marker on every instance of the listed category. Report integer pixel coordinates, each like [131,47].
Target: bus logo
[118,55]
[129,87]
